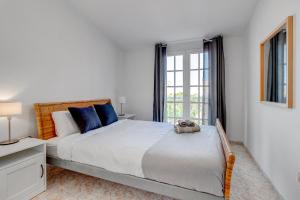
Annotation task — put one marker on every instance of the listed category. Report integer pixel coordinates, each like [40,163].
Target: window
[175,94]
[187,87]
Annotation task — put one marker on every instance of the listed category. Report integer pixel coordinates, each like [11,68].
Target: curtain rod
[211,39]
[162,44]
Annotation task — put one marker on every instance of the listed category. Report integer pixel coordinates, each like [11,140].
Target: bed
[139,154]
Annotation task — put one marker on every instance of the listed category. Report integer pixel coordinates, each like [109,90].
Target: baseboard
[236,142]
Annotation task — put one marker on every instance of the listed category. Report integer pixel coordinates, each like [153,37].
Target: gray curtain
[159,82]
[214,60]
[275,73]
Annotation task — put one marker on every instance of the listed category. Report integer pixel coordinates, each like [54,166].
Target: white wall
[48,52]
[137,81]
[272,135]
[234,52]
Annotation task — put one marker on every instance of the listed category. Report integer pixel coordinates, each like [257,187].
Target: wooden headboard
[45,124]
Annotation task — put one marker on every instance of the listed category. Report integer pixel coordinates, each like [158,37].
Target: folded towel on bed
[187,129]
[185,123]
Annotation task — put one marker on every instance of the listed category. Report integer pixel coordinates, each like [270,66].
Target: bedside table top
[126,116]
[23,144]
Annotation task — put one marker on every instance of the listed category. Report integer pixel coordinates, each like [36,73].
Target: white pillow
[64,123]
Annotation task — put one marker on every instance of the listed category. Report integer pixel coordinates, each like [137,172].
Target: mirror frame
[288,23]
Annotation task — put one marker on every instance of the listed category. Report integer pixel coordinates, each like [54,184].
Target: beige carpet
[248,184]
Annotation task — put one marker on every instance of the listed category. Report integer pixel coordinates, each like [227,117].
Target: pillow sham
[85,118]
[106,114]
[64,123]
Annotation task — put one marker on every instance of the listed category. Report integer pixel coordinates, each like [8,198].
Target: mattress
[51,146]
[146,149]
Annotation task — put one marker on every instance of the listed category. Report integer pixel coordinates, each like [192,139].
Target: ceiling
[132,23]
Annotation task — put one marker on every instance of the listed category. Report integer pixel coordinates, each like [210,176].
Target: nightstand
[126,116]
[22,169]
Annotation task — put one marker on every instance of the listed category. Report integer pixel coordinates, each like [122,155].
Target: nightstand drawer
[25,179]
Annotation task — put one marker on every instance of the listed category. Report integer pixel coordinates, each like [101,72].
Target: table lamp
[9,109]
[122,100]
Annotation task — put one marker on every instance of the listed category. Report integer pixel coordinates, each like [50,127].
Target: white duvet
[119,147]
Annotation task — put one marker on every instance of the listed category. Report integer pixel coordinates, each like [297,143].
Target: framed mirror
[276,66]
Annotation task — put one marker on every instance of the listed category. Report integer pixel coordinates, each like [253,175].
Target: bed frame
[46,130]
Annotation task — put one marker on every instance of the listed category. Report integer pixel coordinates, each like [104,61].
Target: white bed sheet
[51,146]
[119,147]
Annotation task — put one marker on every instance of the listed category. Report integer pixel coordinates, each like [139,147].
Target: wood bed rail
[229,158]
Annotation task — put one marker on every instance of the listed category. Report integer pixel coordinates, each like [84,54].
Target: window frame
[201,102]
[174,118]
[186,86]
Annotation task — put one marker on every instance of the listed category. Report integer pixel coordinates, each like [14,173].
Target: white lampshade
[10,108]
[122,100]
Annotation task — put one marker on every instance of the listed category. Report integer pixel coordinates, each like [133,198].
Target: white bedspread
[154,151]
[119,147]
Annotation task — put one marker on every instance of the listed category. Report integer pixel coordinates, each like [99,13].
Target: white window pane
[201,77]
[194,62]
[170,63]
[204,111]
[201,60]
[179,78]
[194,111]
[170,120]
[201,96]
[194,96]
[170,109]
[179,110]
[177,119]
[170,94]
[197,121]
[194,79]
[201,122]
[170,78]
[179,62]
[205,115]
[179,94]
[204,94]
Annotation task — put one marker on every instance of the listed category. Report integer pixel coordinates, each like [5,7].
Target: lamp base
[122,114]
[8,142]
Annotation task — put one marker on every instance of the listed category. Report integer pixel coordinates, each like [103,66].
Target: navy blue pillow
[85,118]
[106,114]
